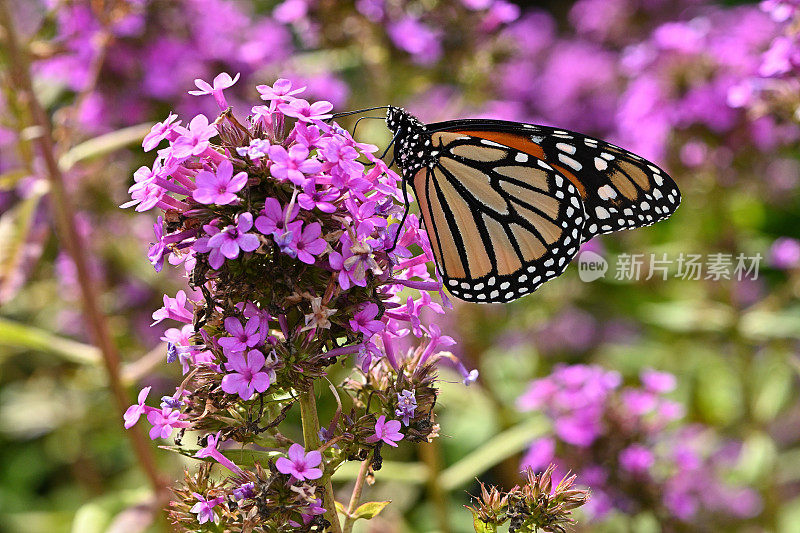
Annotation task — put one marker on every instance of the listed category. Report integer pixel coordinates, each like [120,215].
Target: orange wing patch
[526,145]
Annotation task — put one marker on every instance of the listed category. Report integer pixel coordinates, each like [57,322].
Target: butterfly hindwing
[619,189]
[500,222]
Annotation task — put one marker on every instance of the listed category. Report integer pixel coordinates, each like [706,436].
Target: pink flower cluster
[328,203]
[623,443]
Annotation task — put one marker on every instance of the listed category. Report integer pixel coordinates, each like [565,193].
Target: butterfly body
[507,205]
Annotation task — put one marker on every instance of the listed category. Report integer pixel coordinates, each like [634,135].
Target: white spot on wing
[600,163]
[565,147]
[606,192]
[567,160]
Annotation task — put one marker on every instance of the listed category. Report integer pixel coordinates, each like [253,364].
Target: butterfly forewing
[619,190]
[500,222]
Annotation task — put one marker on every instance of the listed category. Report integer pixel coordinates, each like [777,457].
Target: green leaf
[16,335]
[773,384]
[765,325]
[492,452]
[788,466]
[18,247]
[103,144]
[340,508]
[370,510]
[757,458]
[481,526]
[719,391]
[688,315]
[789,517]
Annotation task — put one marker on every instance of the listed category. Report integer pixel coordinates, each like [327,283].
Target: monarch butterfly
[507,205]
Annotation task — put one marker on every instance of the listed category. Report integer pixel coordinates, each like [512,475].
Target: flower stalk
[355,498]
[310,420]
[64,215]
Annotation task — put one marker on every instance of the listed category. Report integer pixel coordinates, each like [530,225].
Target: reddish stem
[61,206]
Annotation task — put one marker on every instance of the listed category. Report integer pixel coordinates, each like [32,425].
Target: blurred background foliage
[707,89]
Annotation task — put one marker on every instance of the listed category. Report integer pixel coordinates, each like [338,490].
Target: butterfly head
[400,120]
[412,148]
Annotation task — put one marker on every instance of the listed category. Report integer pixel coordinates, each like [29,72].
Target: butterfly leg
[355,126]
[405,214]
[389,147]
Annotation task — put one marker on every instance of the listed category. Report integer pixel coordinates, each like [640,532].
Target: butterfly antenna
[357,111]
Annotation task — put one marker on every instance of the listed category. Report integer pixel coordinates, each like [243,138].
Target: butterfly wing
[500,221]
[619,189]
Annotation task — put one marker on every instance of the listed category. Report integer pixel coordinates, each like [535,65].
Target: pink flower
[579,428]
[305,112]
[174,308]
[248,375]
[210,450]
[364,321]
[300,465]
[215,257]
[342,157]
[636,458]
[145,194]
[308,243]
[281,92]
[785,253]
[781,57]
[133,412]
[195,140]
[257,149]
[164,422]
[639,401]
[437,341]
[235,237]
[221,82]
[241,337]
[159,132]
[273,218]
[204,508]
[311,198]
[416,38]
[180,340]
[388,432]
[290,11]
[658,382]
[540,454]
[292,165]
[219,188]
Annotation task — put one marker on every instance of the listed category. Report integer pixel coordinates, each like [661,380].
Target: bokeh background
[709,90]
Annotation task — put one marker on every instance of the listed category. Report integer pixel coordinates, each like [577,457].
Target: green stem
[308,414]
[356,497]
[430,456]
